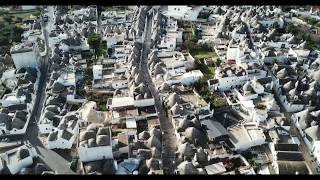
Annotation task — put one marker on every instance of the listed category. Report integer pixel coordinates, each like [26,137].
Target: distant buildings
[187,13]
[28,7]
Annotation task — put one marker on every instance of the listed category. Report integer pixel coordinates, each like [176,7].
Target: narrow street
[99,27]
[51,158]
[302,147]
[169,139]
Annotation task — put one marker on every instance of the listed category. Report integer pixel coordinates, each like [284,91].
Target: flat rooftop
[147,110]
[193,99]
[125,113]
[22,47]
[245,133]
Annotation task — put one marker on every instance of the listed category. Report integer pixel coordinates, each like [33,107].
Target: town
[143,90]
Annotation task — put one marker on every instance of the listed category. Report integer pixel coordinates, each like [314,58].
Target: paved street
[51,158]
[99,27]
[304,149]
[169,140]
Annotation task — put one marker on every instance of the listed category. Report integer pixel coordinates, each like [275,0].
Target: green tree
[16,33]
[291,29]
[7,18]
[94,41]
[218,62]
[274,60]
[3,12]
[313,21]
[201,85]
[310,43]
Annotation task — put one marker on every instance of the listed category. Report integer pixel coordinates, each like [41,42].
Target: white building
[168,42]
[67,78]
[229,77]
[25,55]
[270,55]
[187,13]
[108,78]
[19,158]
[246,136]
[309,133]
[65,134]
[255,99]
[18,126]
[185,78]
[12,99]
[129,101]
[88,114]
[28,7]
[121,51]
[93,147]
[284,78]
[113,39]
[175,59]
[56,39]
[173,32]
[270,22]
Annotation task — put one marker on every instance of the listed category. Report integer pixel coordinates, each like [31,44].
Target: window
[178,9]
[175,8]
